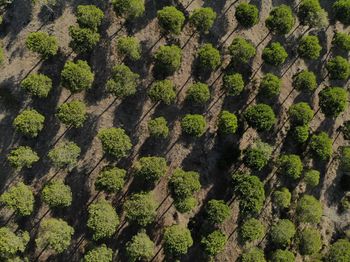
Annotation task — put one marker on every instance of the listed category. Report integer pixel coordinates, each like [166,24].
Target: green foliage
[162,91]
[333,101]
[72,113]
[38,85]
[338,68]
[309,210]
[214,243]
[22,156]
[282,198]
[217,211]
[342,41]
[171,20]
[282,232]
[312,178]
[309,241]
[103,219]
[270,86]
[252,230]
[130,47]
[300,113]
[57,194]
[193,125]
[309,47]
[54,234]
[185,205]
[168,59]
[280,20]
[83,39]
[291,165]
[321,146]
[129,9]
[282,256]
[274,54]
[228,123]
[140,248]
[77,76]
[184,184]
[305,81]
[115,142]
[177,240]
[158,127]
[247,15]
[42,43]
[241,51]
[209,57]
[150,169]
[233,84]
[30,122]
[11,244]
[257,155]
[341,9]
[198,93]
[123,81]
[110,180]
[310,13]
[300,133]
[89,16]
[203,19]
[260,117]
[64,155]
[339,251]
[99,254]
[253,255]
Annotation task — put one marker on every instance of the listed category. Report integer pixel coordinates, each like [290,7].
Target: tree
[89,16]
[130,47]
[162,91]
[309,210]
[228,123]
[123,81]
[99,254]
[300,133]
[247,15]
[339,251]
[342,41]
[114,141]
[140,248]
[167,59]
[140,209]
[42,43]
[54,234]
[274,54]
[184,184]
[282,232]
[270,86]
[321,146]
[77,76]
[65,155]
[214,243]
[83,39]
[158,127]
[241,50]
[193,125]
[11,244]
[150,169]
[203,19]
[282,256]
[110,180]
[333,101]
[198,93]
[260,117]
[209,57]
[185,205]
[305,81]
[310,13]
[280,20]
[253,255]
[312,178]
[233,84]
[309,47]
[177,240]
[257,155]
[341,9]
[282,198]
[30,122]
[171,20]
[291,165]
[300,113]
[22,156]
[338,68]
[309,241]
[72,113]
[252,230]
[129,9]
[38,85]
[217,211]
[57,194]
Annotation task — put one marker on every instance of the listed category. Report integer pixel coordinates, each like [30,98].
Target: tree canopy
[115,141]
[214,243]
[217,211]
[260,117]
[150,169]
[38,85]
[333,101]
[280,20]
[177,240]
[57,194]
[29,122]
[65,155]
[171,20]
[241,51]
[110,179]
[99,254]
[129,9]
[77,76]
[309,210]
[321,146]
[140,247]
[203,19]
[274,54]
[130,47]
[72,113]
[247,15]
[193,125]
[42,43]
[162,91]
[282,232]
[167,59]
[11,243]
[22,156]
[257,155]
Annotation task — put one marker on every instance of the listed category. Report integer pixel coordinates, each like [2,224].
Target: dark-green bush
[282,232]
[129,9]
[233,84]
[338,68]
[228,123]
[251,230]
[310,13]
[247,15]
[341,9]
[291,165]
[162,91]
[342,41]
[280,20]
[282,256]
[77,76]
[274,54]
[282,198]
[260,117]
[309,240]
[115,141]
[150,169]
[110,180]
[270,86]
[209,57]
[203,19]
[171,20]
[305,81]
[83,39]
[168,59]
[300,133]
[214,243]
[309,210]
[22,156]
[184,184]
[177,241]
[57,194]
[309,47]
[193,125]
[89,16]
[72,113]
[217,211]
[333,101]
[300,113]
[257,155]
[312,178]
[37,85]
[241,51]
[130,47]
[140,248]
[198,93]
[64,155]
[158,127]
[321,146]
[340,250]
[30,122]
[42,43]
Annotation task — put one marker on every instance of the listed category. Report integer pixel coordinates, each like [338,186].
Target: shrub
[115,142]
[341,9]
[129,8]
[270,85]
[228,123]
[282,232]
[177,240]
[83,39]
[11,244]
[214,243]
[38,85]
[158,127]
[274,54]
[130,47]
[193,125]
[110,180]
[150,169]
[171,20]
[305,81]
[338,68]
[291,165]
[198,93]
[310,13]
[309,210]
[89,16]
[252,230]
[333,101]
[217,211]
[162,91]
[123,81]
[260,117]
[30,122]
[309,47]
[241,51]
[339,251]
[140,248]
[185,205]
[77,76]
[282,198]
[54,234]
[19,198]
[300,113]
[233,84]
[203,19]
[247,15]
[321,146]
[209,57]
[342,41]
[282,256]
[300,133]
[64,155]
[312,178]
[168,59]
[184,184]
[22,156]
[42,43]
[280,20]
[253,255]
[309,241]
[72,113]
[57,194]
[99,254]
[257,155]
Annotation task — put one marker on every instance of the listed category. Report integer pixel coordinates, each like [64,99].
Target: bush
[241,51]
[193,125]
[140,248]
[300,133]
[257,155]
[253,255]
[11,244]
[22,156]
[42,43]
[312,178]
[247,15]
[309,210]
[252,230]
[309,241]
[333,101]
[83,39]
[338,68]
[57,194]
[342,41]
[198,93]
[171,20]
[158,127]
[300,114]
[38,85]
[309,47]
[305,81]
[72,113]
[184,184]
[282,256]
[203,19]
[110,180]
[54,234]
[150,169]
[217,211]
[162,91]
[89,16]
[115,142]
[177,240]
[341,9]
[282,198]
[274,54]
[129,8]
[280,20]
[260,117]
[209,57]
[321,146]
[123,81]
[64,155]
[19,198]
[130,47]
[282,232]
[228,123]
[214,243]
[270,86]
[233,84]
[168,59]
[291,165]
[140,209]
[310,13]
[185,205]
[29,122]
[77,76]
[339,251]
[99,254]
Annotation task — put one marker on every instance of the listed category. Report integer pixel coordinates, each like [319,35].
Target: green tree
[260,117]
[282,198]
[247,15]
[171,20]
[184,184]
[291,165]
[312,178]
[252,230]
[280,20]
[282,232]
[150,169]
[305,81]
[115,142]
[77,76]
[22,156]
[309,241]
[342,41]
[338,68]
[99,254]
[162,91]
[83,39]
[241,50]
[216,211]
[185,205]
[193,125]
[198,93]
[282,256]
[38,85]
[310,13]
[274,54]
[110,180]
[257,155]
[177,240]
[253,255]
[341,9]
[130,47]
[300,113]
[72,113]
[203,19]
[30,122]
[89,16]
[209,57]
[228,123]
[65,155]
[309,47]
[333,101]
[214,243]
[158,127]
[321,146]
[168,59]
[42,43]
[57,194]
[11,244]
[300,133]
[233,84]
[140,248]
[309,210]
[270,86]
[339,251]
[129,9]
